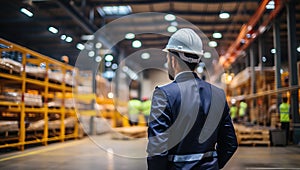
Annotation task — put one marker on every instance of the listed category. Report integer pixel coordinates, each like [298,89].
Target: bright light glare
[110,95]
[63,37]
[80,46]
[98,45]
[26,12]
[273,51]
[109,57]
[224,15]
[170,17]
[270,5]
[145,56]
[130,36]
[207,55]
[172,29]
[53,30]
[298,49]
[114,66]
[69,39]
[217,35]
[212,44]
[136,44]
[91,54]
[98,59]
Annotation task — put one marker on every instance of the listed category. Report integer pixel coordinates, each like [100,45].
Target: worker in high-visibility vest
[146,108]
[134,106]
[242,110]
[233,112]
[284,110]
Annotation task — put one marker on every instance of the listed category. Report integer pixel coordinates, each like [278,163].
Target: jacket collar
[188,75]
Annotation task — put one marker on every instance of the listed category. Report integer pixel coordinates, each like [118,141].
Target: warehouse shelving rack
[46,88]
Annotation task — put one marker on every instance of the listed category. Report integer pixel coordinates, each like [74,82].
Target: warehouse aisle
[85,154]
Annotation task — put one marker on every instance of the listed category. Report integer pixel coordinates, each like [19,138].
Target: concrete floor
[103,153]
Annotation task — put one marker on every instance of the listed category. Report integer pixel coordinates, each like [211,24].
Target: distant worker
[284,109]
[242,110]
[65,59]
[134,106]
[146,108]
[189,125]
[233,111]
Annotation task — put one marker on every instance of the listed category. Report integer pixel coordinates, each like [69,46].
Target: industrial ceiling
[78,18]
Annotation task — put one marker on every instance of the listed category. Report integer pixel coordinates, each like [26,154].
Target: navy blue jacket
[178,113]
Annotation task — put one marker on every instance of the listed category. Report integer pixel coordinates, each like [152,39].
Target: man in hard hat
[189,126]
[242,110]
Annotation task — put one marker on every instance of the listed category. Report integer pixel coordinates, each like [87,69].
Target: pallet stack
[252,135]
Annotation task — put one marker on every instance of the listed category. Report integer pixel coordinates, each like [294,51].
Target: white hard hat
[185,40]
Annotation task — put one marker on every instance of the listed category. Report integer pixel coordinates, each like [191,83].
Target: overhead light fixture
[270,5]
[98,59]
[281,71]
[63,37]
[98,45]
[117,10]
[145,56]
[224,15]
[109,57]
[200,69]
[87,37]
[207,55]
[212,44]
[217,35]
[91,54]
[53,30]
[172,29]
[273,50]
[114,66]
[170,17]
[69,39]
[108,64]
[130,36]
[80,46]
[26,12]
[298,49]
[110,95]
[264,59]
[136,44]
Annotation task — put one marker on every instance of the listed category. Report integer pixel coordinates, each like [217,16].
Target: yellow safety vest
[284,112]
[233,111]
[146,107]
[134,106]
[243,108]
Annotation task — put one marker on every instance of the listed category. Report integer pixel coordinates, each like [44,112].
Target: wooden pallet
[252,135]
[126,133]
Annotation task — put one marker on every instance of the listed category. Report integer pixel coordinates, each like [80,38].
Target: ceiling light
[136,44]
[91,54]
[273,50]
[109,57]
[224,15]
[298,49]
[116,10]
[108,64]
[53,30]
[80,46]
[98,59]
[63,37]
[270,5]
[170,17]
[212,44]
[174,23]
[264,59]
[200,69]
[145,56]
[98,45]
[87,37]
[217,35]
[207,55]
[172,29]
[129,36]
[26,12]
[110,95]
[114,66]
[69,39]
[281,71]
